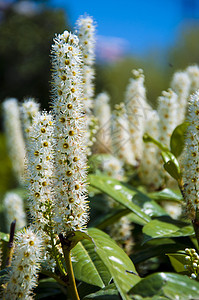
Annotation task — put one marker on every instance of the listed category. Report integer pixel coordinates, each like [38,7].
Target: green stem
[71,278]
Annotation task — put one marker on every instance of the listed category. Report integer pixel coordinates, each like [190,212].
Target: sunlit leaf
[166,194]
[177,139]
[178,261]
[170,285]
[122,194]
[161,229]
[88,265]
[118,263]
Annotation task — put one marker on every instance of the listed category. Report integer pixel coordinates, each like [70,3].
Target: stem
[71,278]
[196,225]
[11,244]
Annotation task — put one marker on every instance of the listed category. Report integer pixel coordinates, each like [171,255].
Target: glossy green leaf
[118,263]
[177,139]
[171,165]
[122,194]
[171,285]
[110,292]
[178,261]
[88,265]
[166,194]
[161,229]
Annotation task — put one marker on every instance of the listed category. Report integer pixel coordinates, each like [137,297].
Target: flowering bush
[136,167]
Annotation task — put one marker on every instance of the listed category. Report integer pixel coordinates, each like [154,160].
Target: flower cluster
[14,210]
[70,211]
[193,73]
[29,109]
[136,107]
[14,136]
[121,143]
[180,84]
[40,169]
[190,161]
[102,111]
[25,266]
[86,34]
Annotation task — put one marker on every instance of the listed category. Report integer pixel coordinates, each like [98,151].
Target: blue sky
[141,24]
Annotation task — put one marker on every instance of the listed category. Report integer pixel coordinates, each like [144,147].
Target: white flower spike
[70,137]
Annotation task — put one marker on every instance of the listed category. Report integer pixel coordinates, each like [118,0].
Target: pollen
[70,48]
[197,112]
[60,92]
[197,127]
[43,130]
[44,183]
[63,77]
[72,90]
[71,200]
[37,195]
[62,120]
[36,153]
[38,167]
[65,146]
[45,144]
[77,186]
[71,133]
[69,106]
[31,243]
[75,159]
[69,173]
[67,62]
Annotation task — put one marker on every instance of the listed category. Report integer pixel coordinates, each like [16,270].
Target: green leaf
[111,218]
[119,192]
[161,229]
[110,292]
[171,165]
[166,194]
[178,138]
[88,265]
[159,248]
[173,286]
[116,260]
[178,261]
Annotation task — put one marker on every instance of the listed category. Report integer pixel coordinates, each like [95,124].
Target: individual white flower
[180,84]
[23,276]
[121,142]
[193,73]
[190,161]
[14,210]
[70,212]
[137,108]
[86,34]
[40,170]
[29,109]
[167,111]
[102,111]
[14,136]
[149,169]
